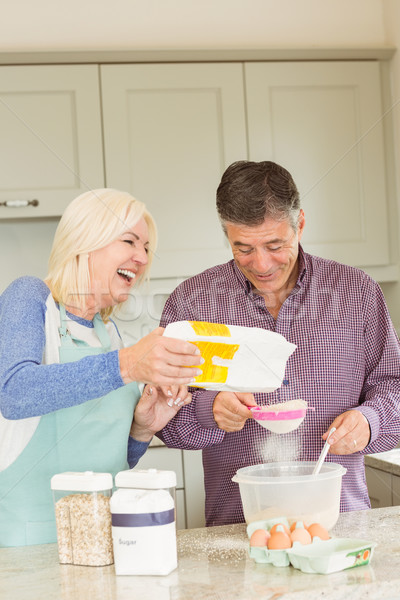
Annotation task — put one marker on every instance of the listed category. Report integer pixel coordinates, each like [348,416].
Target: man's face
[267,254]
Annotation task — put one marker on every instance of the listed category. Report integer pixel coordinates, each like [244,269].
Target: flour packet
[237,359]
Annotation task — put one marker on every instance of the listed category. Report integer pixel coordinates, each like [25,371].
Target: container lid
[287,473]
[147,479]
[87,481]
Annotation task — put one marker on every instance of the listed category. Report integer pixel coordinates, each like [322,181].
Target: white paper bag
[237,359]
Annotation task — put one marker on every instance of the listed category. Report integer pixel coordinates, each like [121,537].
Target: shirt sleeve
[136,450]
[380,398]
[193,427]
[27,387]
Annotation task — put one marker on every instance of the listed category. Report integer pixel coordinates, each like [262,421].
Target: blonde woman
[68,388]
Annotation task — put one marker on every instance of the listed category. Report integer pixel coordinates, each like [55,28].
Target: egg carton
[321,556]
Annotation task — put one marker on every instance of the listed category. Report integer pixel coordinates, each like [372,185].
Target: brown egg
[279,540]
[316,530]
[284,528]
[298,524]
[300,534]
[259,537]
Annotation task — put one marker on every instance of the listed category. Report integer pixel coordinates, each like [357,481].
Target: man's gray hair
[250,192]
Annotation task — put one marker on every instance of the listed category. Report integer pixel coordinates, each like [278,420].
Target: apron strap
[101,332]
[68,340]
[65,335]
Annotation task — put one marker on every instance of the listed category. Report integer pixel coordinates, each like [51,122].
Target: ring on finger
[355,443]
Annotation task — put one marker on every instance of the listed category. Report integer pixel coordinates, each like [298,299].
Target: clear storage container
[143,522]
[83,518]
[291,490]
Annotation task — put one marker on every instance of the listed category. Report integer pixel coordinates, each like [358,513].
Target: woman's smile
[126,274]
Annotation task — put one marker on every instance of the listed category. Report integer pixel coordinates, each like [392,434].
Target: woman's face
[114,268]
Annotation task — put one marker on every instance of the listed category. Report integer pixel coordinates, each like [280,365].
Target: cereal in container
[83,518]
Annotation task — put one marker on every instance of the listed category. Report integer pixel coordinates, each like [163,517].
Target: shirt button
[285,382]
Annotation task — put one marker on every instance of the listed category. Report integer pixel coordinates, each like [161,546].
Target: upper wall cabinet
[323,122]
[166,132]
[50,143]
[170,131]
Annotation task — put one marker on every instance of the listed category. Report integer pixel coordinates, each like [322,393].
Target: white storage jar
[143,522]
[83,518]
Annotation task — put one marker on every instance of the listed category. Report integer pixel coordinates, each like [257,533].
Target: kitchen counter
[213,564]
[385,461]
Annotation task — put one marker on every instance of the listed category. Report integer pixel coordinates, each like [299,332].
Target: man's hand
[352,433]
[155,408]
[230,410]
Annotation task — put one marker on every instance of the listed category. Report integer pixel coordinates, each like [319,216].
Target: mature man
[347,361]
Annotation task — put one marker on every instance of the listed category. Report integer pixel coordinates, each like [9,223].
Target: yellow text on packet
[214,373]
[204,328]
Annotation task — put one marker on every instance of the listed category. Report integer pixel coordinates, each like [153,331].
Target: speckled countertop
[213,564]
[385,461]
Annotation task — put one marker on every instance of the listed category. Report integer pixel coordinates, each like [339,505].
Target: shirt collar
[302,265]
[244,282]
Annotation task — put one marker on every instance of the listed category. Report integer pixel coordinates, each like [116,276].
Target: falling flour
[280,447]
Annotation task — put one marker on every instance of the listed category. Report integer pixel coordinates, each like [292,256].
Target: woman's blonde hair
[90,222]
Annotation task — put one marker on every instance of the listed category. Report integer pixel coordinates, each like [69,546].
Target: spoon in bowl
[324,452]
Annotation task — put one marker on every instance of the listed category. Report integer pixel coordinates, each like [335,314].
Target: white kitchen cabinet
[382,471]
[170,131]
[323,121]
[51,141]
[379,487]
[194,488]
[395,490]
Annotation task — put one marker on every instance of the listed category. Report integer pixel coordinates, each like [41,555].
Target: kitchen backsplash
[142,311]
[24,248]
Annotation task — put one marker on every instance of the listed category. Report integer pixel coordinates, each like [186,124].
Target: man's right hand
[230,410]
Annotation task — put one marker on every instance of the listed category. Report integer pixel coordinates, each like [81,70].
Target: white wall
[192,24]
[51,25]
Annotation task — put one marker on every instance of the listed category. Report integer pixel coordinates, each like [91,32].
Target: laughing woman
[68,387]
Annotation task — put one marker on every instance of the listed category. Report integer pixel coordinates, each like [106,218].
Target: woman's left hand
[155,408]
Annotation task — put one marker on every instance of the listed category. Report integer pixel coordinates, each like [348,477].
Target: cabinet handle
[20,203]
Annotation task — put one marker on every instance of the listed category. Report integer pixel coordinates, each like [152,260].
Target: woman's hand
[160,360]
[155,408]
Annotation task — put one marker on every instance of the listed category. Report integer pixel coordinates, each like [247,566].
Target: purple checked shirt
[347,357]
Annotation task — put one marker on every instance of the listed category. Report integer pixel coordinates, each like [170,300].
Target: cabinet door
[396,489]
[170,131]
[194,488]
[379,487]
[323,122]
[50,143]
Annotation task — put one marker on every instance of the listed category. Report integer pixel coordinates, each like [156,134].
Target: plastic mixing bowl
[289,489]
